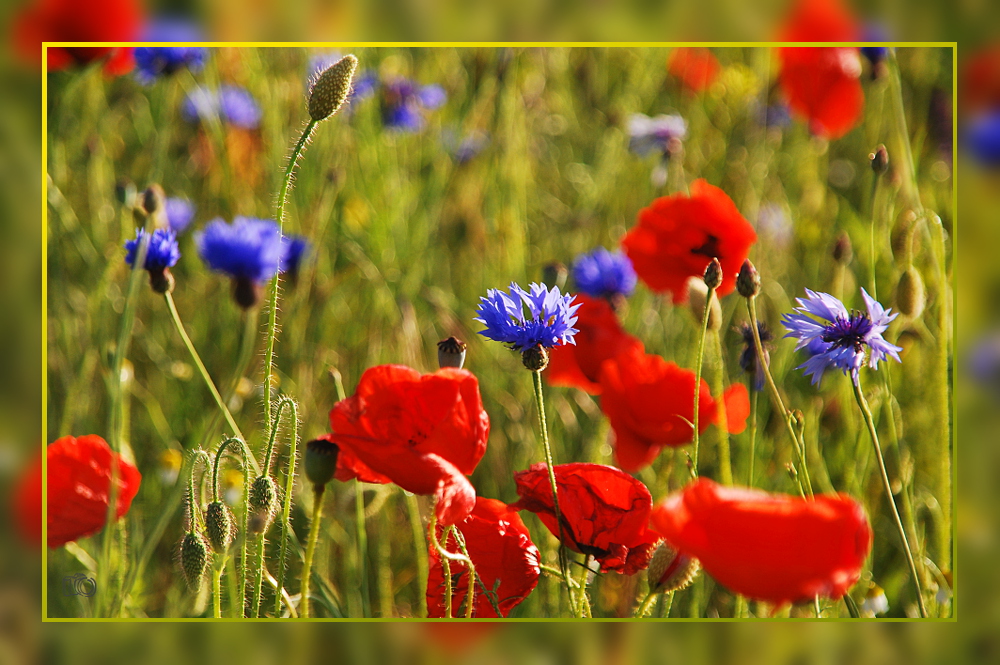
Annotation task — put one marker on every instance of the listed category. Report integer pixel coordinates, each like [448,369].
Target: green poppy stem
[697,378]
[307,563]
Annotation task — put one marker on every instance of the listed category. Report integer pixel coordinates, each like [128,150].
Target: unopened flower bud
[451,353]
[320,461]
[669,570]
[194,559]
[879,160]
[263,503]
[555,273]
[910,293]
[219,526]
[535,358]
[748,281]
[842,250]
[153,199]
[713,274]
[332,88]
[697,294]
[246,292]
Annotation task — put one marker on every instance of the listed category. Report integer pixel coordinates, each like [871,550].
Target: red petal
[737,401]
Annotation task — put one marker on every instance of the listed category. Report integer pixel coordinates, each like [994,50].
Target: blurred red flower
[605,512]
[424,433]
[737,401]
[650,404]
[600,337]
[506,561]
[979,83]
[822,85]
[79,471]
[677,236]
[73,21]
[770,547]
[695,68]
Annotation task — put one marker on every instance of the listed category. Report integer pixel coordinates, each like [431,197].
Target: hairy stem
[699,360]
[307,563]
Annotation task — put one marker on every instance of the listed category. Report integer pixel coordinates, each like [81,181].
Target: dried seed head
[713,274]
[320,461]
[910,293]
[669,570]
[263,503]
[535,358]
[748,281]
[194,559]
[220,527]
[451,353]
[697,294]
[332,88]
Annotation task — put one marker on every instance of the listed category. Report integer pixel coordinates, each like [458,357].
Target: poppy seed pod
[332,88]
[194,559]
[910,298]
[748,281]
[535,358]
[669,570]
[219,526]
[320,461]
[263,503]
[451,353]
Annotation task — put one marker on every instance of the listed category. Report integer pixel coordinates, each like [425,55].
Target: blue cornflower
[841,339]
[296,247]
[404,101]
[152,62]
[874,32]
[162,252]
[232,104]
[179,213]
[981,136]
[550,321]
[248,248]
[602,274]
[647,135]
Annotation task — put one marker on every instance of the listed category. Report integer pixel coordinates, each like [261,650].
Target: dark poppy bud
[153,199]
[669,570]
[555,273]
[713,274]
[748,280]
[219,526]
[535,358]
[451,353]
[194,559]
[263,503]
[879,160]
[332,88]
[320,461]
[843,252]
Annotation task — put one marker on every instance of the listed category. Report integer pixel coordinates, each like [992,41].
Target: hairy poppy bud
[669,570]
[194,559]
[713,274]
[219,526]
[320,461]
[748,280]
[332,88]
[697,294]
[879,160]
[451,353]
[263,503]
[842,250]
[910,293]
[535,358]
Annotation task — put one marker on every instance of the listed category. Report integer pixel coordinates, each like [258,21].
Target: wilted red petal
[737,401]
[79,477]
[677,236]
[506,561]
[771,547]
[605,512]
[422,432]
[650,404]
[823,86]
[695,68]
[600,337]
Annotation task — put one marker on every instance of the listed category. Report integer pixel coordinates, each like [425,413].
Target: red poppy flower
[771,547]
[820,21]
[605,512]
[823,86]
[677,236]
[73,21]
[600,337]
[695,68]
[737,401]
[505,558]
[980,80]
[650,404]
[424,433]
[79,470]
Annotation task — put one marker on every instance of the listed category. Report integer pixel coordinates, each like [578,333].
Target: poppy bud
[219,526]
[332,88]
[451,353]
[879,160]
[263,503]
[535,358]
[194,559]
[901,238]
[320,461]
[910,293]
[153,199]
[669,570]
[555,273]
[697,293]
[713,274]
[748,280]
[842,250]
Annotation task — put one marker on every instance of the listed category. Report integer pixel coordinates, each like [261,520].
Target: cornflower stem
[272,321]
[204,374]
[870,422]
[307,563]
[420,550]
[447,556]
[362,535]
[697,378]
[718,380]
[286,509]
[776,398]
[753,432]
[646,606]
[536,378]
